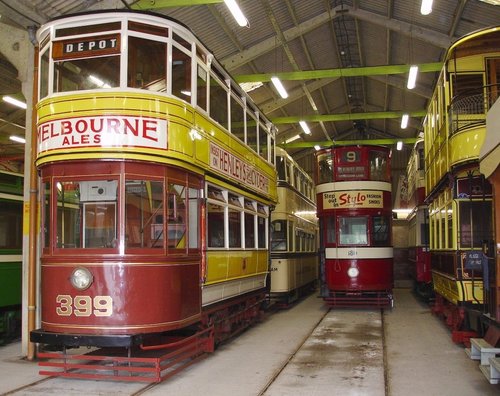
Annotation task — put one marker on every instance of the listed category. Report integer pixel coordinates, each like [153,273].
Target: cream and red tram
[355,215]
[294,231]
[157,179]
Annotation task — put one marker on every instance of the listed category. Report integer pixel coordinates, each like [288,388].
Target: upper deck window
[86,63]
[88,29]
[147,64]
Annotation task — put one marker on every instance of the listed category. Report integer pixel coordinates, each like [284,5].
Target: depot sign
[353,199]
[102,131]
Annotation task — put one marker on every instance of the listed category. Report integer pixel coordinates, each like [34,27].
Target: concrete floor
[344,355]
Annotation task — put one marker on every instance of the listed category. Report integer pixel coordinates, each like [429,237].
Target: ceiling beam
[328,143]
[156,4]
[408,29]
[337,73]
[377,115]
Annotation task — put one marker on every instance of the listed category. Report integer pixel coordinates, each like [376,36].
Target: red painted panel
[423,265]
[374,274]
[145,298]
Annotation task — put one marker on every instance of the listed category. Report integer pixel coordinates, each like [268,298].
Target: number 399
[84,305]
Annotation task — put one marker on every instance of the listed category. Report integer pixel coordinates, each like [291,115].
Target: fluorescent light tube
[14,102]
[17,139]
[412,77]
[237,13]
[305,127]
[426,7]
[404,121]
[279,87]
[292,139]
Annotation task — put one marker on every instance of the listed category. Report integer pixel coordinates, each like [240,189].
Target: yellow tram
[158,177]
[458,195]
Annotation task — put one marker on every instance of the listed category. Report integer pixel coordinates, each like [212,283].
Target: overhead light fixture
[404,121]
[237,13]
[317,147]
[426,7]
[305,127]
[250,86]
[15,102]
[279,87]
[17,139]
[399,145]
[412,77]
[292,139]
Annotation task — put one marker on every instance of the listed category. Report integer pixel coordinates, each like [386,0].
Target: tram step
[492,371]
[481,350]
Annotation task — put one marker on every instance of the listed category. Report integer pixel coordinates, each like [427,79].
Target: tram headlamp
[81,278]
[353,272]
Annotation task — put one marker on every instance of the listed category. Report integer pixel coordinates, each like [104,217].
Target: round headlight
[81,278]
[353,272]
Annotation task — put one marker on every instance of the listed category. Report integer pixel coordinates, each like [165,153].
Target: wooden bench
[492,371]
[482,350]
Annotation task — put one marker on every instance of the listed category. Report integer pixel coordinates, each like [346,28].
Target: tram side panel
[11,223]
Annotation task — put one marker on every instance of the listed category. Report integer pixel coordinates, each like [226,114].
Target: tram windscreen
[86,214]
[353,230]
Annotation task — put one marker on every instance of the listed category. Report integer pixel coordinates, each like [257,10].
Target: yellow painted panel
[458,291]
[234,264]
[465,145]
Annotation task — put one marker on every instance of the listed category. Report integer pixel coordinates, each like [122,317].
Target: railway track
[333,347]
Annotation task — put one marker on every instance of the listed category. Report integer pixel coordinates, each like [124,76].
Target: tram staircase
[485,350]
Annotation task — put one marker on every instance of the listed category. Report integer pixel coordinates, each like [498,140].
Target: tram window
[475,223]
[46,200]
[146,64]
[263,146]
[215,225]
[449,214]
[272,150]
[251,132]
[68,233]
[99,222]
[94,28]
[281,168]
[278,236]
[291,240]
[218,102]
[11,225]
[234,228]
[149,29]
[380,230]
[378,166]
[176,219]
[194,218]
[249,230]
[182,41]
[261,232]
[201,88]
[144,214]
[353,231]
[330,229]
[325,169]
[91,73]
[44,74]
[237,118]
[181,74]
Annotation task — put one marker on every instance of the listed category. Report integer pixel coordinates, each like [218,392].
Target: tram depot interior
[343,63]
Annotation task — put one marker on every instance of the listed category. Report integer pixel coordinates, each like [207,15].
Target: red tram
[418,224]
[157,178]
[355,213]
